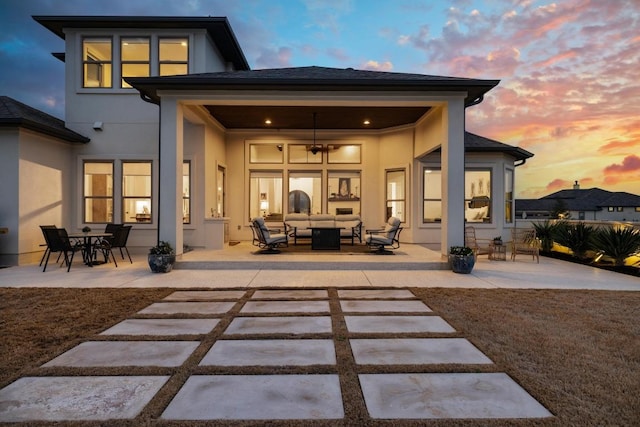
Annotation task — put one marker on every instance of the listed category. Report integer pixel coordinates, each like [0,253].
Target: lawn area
[576,352]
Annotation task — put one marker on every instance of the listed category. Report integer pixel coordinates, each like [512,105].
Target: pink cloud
[629,164]
[558,184]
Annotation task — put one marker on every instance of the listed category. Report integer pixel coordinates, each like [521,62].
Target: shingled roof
[313,78]
[16,114]
[479,144]
[588,199]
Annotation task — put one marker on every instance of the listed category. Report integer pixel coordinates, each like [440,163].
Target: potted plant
[497,241]
[161,257]
[461,259]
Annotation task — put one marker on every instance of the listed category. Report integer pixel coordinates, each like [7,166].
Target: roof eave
[67,136]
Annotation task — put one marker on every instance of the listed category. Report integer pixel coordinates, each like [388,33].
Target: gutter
[148,99]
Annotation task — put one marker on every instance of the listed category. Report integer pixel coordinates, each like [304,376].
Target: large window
[134,58]
[344,190]
[98,192]
[432,195]
[508,196]
[265,195]
[173,56]
[477,195]
[96,62]
[395,194]
[136,192]
[305,192]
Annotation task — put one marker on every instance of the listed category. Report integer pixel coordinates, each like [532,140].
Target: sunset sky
[569,70]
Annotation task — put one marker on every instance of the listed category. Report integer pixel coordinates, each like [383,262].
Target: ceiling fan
[317,148]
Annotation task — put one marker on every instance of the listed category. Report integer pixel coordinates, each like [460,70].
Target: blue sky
[569,70]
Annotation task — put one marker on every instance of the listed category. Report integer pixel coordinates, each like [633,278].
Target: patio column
[170,174]
[452,160]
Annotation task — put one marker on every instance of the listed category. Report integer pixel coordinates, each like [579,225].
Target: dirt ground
[576,352]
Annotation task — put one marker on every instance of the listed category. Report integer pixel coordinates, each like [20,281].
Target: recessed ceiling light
[367,122]
[267,122]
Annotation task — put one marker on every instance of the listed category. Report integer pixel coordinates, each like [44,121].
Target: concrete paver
[286,307]
[162,327]
[383,306]
[291,294]
[375,293]
[397,324]
[126,353]
[187,307]
[257,397]
[77,398]
[280,325]
[203,295]
[455,395]
[416,351]
[270,353]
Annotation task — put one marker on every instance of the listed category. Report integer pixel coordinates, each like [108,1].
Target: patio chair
[46,242]
[119,240]
[478,246]
[388,237]
[58,241]
[524,241]
[265,240]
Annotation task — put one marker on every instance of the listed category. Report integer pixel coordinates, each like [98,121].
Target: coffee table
[325,238]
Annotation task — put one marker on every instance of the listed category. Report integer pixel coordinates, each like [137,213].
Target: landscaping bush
[617,243]
[577,237]
[546,233]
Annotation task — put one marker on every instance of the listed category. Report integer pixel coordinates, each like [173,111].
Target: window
[477,195]
[136,192]
[98,192]
[173,56]
[343,153]
[299,153]
[134,58]
[610,209]
[395,195]
[265,195]
[637,208]
[266,153]
[186,192]
[508,196]
[344,191]
[305,192]
[220,192]
[432,195]
[619,209]
[96,62]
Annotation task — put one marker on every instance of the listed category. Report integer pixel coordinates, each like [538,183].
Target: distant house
[591,204]
[168,129]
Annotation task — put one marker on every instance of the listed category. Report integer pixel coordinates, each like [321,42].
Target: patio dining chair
[118,240]
[46,242]
[58,241]
[388,237]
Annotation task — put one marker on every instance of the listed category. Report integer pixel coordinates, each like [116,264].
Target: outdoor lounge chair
[479,247]
[388,237]
[524,241]
[265,240]
[58,241]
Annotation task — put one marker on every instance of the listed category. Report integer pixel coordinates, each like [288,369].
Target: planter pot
[462,263]
[161,263]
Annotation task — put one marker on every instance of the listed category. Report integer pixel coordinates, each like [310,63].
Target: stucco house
[167,127]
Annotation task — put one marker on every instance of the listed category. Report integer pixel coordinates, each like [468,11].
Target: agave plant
[546,232]
[577,237]
[617,243]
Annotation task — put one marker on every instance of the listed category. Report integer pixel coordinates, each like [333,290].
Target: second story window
[173,56]
[96,62]
[134,53]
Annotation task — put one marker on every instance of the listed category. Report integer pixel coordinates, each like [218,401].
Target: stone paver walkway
[197,344]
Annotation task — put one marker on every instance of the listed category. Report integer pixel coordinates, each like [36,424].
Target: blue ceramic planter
[462,263]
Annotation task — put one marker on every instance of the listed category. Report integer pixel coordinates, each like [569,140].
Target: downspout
[148,99]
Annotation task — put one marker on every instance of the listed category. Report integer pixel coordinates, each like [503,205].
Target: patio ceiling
[298,117]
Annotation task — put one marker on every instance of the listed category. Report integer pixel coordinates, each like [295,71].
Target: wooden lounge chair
[524,241]
[479,247]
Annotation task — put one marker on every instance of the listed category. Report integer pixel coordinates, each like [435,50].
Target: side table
[497,252]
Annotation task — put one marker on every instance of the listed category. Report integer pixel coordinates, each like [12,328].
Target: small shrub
[546,232]
[617,243]
[460,250]
[577,237]
[162,248]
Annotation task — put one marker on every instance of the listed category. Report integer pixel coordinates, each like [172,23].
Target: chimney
[576,186]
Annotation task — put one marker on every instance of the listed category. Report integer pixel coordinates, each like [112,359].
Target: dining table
[87,239]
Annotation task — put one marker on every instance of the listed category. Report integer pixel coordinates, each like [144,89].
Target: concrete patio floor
[239,266]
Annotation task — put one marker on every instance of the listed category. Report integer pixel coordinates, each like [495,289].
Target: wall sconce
[97,126]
